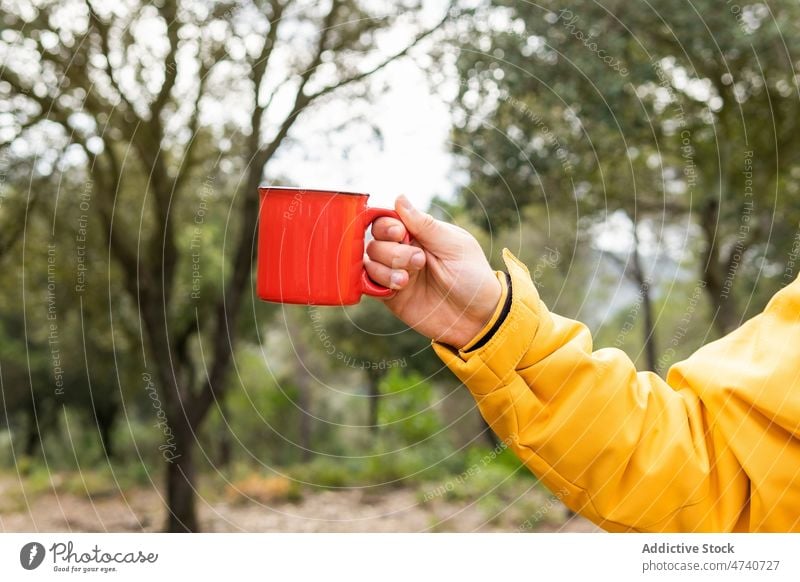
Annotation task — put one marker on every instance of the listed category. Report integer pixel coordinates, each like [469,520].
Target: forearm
[624,449]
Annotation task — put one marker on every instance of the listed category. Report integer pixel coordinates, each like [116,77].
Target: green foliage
[406,415]
[261,417]
[153,159]
[409,446]
[497,483]
[500,457]
[553,140]
[685,120]
[378,468]
[682,325]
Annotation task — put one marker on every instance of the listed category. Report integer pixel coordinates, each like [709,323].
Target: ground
[389,510]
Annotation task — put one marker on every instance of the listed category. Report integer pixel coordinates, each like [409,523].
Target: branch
[16,225]
[258,70]
[92,103]
[194,123]
[118,245]
[301,100]
[65,63]
[169,12]
[230,299]
[259,66]
[753,236]
[361,76]
[103,32]
[274,92]
[23,127]
[630,268]
[47,105]
[229,302]
[623,265]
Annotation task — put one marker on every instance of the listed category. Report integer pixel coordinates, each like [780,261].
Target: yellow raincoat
[715,448]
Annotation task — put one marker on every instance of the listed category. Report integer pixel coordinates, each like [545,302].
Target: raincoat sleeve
[713,448]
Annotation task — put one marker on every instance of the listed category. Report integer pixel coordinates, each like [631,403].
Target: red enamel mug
[311,246]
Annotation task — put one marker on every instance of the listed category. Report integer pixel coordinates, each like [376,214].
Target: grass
[502,500]
[490,480]
[407,467]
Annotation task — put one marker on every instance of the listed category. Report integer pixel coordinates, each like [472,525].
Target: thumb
[423,227]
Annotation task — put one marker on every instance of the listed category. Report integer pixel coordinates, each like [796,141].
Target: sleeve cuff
[497,318]
[483,369]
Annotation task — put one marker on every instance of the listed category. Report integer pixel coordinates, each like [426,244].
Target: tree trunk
[225,445]
[304,401]
[303,380]
[649,327]
[105,419]
[32,436]
[491,437]
[713,273]
[373,398]
[182,514]
[105,437]
[725,317]
[225,450]
[183,416]
[645,288]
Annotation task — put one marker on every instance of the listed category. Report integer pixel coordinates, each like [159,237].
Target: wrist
[498,317]
[481,314]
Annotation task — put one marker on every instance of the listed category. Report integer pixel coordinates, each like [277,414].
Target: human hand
[444,286]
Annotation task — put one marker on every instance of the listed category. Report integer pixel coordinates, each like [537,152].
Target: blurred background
[641,159]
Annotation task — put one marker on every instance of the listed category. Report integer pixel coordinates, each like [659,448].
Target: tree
[132,89]
[43,367]
[682,116]
[370,339]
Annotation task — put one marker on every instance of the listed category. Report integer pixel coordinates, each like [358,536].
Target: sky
[412,157]
[414,122]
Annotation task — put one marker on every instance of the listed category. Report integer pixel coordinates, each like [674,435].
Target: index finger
[388,229]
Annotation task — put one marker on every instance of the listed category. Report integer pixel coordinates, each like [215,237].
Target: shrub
[262,489]
[406,410]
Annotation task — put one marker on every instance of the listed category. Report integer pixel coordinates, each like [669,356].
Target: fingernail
[397,279]
[405,203]
[418,260]
[395,232]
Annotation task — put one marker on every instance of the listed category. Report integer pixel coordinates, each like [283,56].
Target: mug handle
[368,286]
